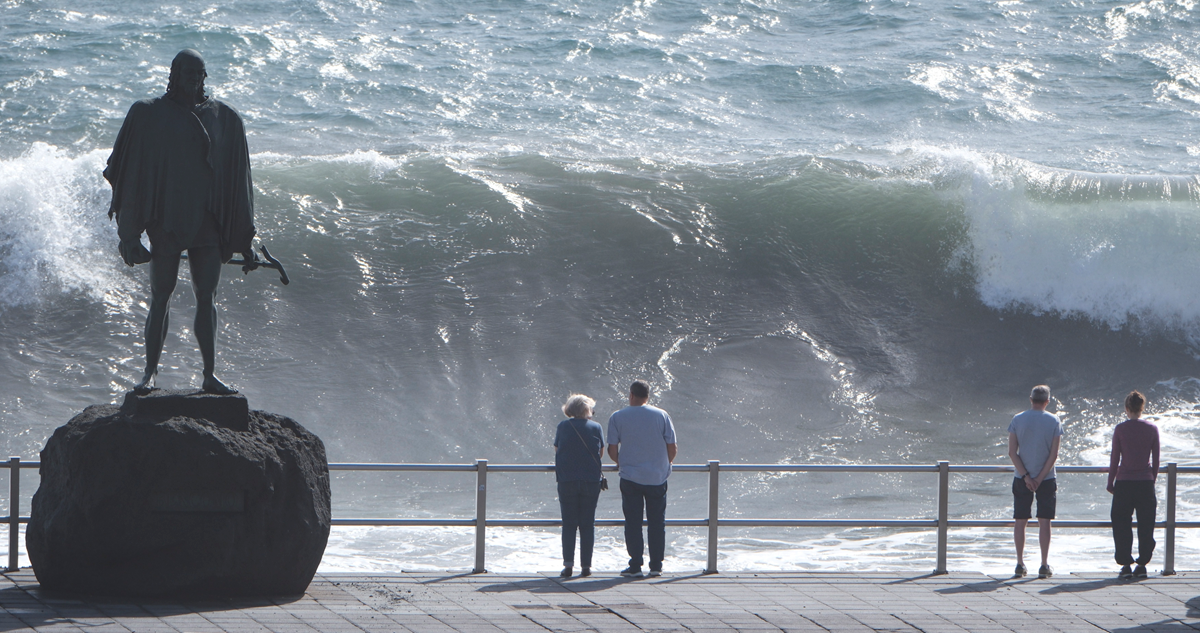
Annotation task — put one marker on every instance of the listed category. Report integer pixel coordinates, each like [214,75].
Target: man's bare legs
[1044,539]
[164,272]
[1019,539]
[1019,527]
[205,265]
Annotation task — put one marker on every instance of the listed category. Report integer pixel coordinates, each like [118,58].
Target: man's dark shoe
[632,572]
[1020,571]
[1045,571]
[1126,572]
[565,573]
[1139,571]
[654,573]
[585,572]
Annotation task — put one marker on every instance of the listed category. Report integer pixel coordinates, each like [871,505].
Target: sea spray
[53,233]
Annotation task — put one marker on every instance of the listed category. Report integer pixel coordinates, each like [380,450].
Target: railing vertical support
[480,514]
[1169,562]
[14,510]
[943,515]
[714,480]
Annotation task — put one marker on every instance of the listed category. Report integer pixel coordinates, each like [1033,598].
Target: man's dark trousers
[635,497]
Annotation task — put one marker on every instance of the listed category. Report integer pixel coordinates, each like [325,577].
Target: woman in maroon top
[1132,469]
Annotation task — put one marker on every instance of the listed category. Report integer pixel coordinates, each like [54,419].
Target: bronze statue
[180,172]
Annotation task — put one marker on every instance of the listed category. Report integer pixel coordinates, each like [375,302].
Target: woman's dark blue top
[575,460]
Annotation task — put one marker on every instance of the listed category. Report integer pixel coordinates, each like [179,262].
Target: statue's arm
[122,171]
[243,188]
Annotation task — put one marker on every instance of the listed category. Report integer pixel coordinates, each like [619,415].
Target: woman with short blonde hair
[577,453]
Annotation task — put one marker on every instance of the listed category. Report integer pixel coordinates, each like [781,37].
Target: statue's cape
[170,165]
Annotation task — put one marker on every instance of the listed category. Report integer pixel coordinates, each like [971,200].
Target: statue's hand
[134,253]
[251,260]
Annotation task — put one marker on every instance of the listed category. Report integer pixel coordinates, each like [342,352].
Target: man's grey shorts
[1047,499]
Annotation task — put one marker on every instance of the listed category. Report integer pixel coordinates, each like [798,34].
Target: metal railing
[942,523]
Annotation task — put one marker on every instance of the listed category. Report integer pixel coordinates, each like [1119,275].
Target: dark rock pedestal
[179,494]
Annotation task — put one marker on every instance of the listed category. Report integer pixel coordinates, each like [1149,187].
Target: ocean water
[831,232]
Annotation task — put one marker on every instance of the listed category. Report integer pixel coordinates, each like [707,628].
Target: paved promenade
[802,602]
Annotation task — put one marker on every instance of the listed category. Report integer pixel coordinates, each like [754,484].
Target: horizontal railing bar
[697,468]
[962,468]
[784,468]
[1064,523]
[890,523]
[599,522]
[880,523]
[1059,523]
[405,522]
[999,468]
[497,522]
[407,467]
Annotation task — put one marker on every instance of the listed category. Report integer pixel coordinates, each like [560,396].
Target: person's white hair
[579,406]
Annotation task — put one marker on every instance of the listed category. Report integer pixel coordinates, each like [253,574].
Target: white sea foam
[1108,260]
[377,164]
[54,232]
[1114,249]
[988,550]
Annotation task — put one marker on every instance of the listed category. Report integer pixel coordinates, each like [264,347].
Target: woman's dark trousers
[577,500]
[1129,497]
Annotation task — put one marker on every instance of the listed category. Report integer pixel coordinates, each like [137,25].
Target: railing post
[943,515]
[714,477]
[14,510]
[1169,562]
[480,513]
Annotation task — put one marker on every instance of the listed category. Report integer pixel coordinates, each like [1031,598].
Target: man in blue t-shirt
[641,440]
[1033,439]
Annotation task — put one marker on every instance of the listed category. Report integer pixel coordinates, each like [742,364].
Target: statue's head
[187,77]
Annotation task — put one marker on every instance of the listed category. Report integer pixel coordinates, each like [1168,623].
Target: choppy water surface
[827,232]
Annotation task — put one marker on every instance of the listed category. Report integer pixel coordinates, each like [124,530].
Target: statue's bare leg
[205,263]
[164,272]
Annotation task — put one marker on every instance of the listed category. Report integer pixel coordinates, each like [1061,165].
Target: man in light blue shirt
[1033,440]
[641,440]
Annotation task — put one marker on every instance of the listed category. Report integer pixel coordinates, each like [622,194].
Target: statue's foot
[214,386]
[146,385]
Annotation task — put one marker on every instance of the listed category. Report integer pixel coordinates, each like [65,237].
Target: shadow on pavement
[554,585]
[1079,587]
[913,579]
[580,585]
[985,586]
[1164,626]
[434,581]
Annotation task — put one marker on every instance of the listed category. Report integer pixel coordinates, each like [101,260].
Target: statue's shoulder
[142,106]
[224,109]
[152,103]
[146,108]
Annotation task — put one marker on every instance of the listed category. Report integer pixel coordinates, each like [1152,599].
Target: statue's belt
[255,264]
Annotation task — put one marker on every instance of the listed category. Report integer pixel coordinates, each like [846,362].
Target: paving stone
[753,603]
